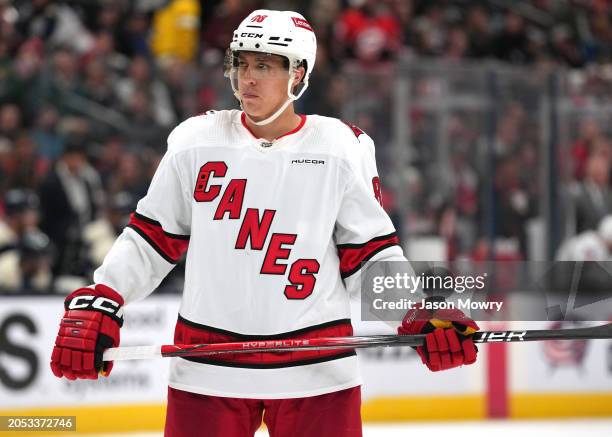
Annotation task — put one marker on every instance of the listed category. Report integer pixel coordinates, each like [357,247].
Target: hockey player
[278,211]
[591,245]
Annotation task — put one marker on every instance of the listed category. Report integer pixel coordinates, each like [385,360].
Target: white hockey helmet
[283,33]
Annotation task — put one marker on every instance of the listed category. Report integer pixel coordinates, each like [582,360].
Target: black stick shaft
[358,342]
[355,342]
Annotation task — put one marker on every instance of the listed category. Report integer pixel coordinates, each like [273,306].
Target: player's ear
[299,75]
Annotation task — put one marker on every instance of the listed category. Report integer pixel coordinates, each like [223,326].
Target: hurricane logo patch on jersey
[354,128]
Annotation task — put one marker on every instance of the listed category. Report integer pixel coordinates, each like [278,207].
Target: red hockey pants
[330,415]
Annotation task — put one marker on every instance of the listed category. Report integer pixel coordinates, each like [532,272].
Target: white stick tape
[132,353]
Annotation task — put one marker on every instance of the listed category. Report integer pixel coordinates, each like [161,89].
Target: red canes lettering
[214,169]
[275,252]
[254,229]
[231,201]
[302,278]
[302,274]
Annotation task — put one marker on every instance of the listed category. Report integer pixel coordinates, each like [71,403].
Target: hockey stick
[323,343]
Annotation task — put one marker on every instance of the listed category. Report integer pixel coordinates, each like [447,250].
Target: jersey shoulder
[208,128]
[343,138]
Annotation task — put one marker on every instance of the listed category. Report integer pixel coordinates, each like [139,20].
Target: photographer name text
[462,304]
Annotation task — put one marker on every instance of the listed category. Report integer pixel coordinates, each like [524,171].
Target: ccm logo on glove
[96,303]
[90,325]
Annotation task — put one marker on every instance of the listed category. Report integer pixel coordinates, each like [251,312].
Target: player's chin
[253,108]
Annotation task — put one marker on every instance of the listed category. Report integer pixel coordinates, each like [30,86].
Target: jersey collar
[296,129]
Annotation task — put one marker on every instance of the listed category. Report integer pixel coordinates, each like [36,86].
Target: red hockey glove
[90,325]
[448,340]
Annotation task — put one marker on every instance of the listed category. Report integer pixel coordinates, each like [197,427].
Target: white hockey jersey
[586,246]
[275,235]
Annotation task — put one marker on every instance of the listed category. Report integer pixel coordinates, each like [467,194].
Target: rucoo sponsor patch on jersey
[307,161]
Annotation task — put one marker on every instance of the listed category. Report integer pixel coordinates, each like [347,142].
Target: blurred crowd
[90,89]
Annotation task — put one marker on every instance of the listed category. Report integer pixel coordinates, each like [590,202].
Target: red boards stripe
[497,379]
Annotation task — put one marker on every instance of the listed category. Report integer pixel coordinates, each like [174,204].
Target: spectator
[369,31]
[97,85]
[404,12]
[8,29]
[217,32]
[129,176]
[22,82]
[20,216]
[590,132]
[58,87]
[24,168]
[143,128]
[328,97]
[593,197]
[45,134]
[103,51]
[26,268]
[70,199]
[100,234]
[511,43]
[175,31]
[111,151]
[456,45]
[24,248]
[599,45]
[133,40]
[105,16]
[512,204]
[431,31]
[181,80]
[565,47]
[479,32]
[56,23]
[142,79]
[10,121]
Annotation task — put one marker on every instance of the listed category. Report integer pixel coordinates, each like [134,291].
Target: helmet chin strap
[279,111]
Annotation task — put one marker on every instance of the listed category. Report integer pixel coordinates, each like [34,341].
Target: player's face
[262,83]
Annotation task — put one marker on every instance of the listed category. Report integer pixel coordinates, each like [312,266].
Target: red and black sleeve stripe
[353,255]
[170,247]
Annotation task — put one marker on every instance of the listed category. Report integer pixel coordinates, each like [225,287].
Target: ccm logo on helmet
[97,303]
[251,35]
